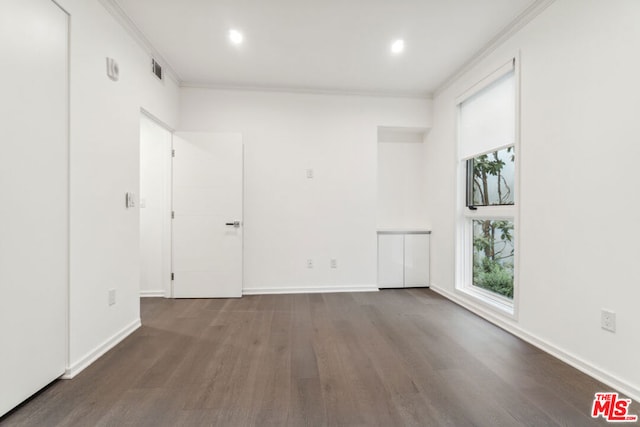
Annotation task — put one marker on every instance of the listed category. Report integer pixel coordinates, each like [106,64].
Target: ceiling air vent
[156,68]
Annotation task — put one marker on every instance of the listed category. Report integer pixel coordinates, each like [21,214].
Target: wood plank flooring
[392,358]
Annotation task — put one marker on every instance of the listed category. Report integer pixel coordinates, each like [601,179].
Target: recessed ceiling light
[235,37]
[397,46]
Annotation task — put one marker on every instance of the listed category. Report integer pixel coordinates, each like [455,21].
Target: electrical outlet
[112,296]
[608,320]
[333,263]
[309,263]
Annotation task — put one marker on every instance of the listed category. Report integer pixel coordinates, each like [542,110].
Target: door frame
[167,244]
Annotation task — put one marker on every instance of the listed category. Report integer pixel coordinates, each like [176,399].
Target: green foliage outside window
[492,183]
[493,256]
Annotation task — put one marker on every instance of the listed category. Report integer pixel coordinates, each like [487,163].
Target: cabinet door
[34,200]
[416,260]
[390,260]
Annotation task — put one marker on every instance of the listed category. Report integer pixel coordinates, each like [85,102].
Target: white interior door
[34,202]
[207,206]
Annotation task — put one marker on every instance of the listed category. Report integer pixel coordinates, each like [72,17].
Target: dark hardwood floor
[392,358]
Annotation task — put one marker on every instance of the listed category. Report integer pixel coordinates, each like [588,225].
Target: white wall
[155,208]
[578,206]
[289,218]
[401,185]
[104,164]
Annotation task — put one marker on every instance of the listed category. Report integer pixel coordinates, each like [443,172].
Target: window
[491,178]
[488,187]
[493,256]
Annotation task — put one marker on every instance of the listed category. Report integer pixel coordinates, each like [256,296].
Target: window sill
[493,302]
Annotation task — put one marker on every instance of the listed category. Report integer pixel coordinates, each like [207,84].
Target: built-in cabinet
[403,258]
[403,240]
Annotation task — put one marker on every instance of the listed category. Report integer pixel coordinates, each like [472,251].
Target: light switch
[129,200]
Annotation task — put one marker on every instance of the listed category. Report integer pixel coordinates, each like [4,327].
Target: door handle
[236,224]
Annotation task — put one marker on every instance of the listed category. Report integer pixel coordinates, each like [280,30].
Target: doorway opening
[155,208]
[191,212]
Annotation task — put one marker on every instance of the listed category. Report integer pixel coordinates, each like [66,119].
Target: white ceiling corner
[117,12]
[514,26]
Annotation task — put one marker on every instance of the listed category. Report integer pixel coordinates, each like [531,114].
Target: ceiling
[321,45]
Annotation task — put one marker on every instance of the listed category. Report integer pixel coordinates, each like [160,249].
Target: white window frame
[464,221]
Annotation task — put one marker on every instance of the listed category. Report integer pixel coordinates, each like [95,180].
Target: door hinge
[172,276]
[173,214]
[173,152]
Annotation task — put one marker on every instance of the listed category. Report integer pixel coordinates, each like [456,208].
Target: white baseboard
[100,350]
[152,294]
[599,374]
[309,290]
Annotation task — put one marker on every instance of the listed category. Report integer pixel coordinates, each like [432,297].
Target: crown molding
[308,90]
[535,9]
[121,16]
